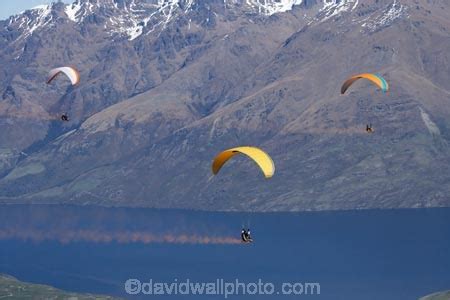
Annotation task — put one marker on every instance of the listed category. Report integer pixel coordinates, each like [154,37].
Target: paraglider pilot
[64,117]
[245,235]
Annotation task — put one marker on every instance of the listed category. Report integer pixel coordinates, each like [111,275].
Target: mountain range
[166,85]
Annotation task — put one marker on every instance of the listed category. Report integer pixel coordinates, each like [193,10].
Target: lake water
[378,254]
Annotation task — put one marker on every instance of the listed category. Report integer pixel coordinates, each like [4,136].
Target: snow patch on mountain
[431,126]
[393,12]
[134,18]
[30,20]
[79,10]
[270,7]
[333,8]
[43,17]
[72,11]
[43,6]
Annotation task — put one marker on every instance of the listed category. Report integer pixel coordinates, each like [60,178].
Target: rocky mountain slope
[168,84]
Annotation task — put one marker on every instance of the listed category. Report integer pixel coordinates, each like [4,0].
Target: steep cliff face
[168,84]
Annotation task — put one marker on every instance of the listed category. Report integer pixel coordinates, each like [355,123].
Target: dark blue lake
[378,254]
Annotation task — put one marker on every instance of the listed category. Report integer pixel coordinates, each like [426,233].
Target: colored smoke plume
[121,237]
[112,225]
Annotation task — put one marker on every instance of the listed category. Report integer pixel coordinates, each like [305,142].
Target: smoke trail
[121,237]
[101,225]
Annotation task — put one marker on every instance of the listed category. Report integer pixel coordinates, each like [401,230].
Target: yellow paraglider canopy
[261,158]
[374,78]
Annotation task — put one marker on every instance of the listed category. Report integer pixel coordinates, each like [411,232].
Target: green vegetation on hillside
[437,296]
[11,288]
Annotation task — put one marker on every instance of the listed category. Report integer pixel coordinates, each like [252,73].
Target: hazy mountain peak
[30,20]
